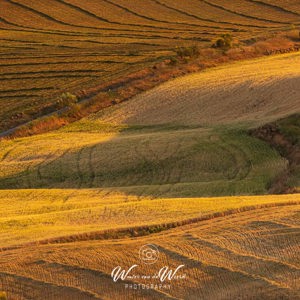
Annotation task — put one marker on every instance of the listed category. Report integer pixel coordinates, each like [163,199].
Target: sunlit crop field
[37,215]
[248,92]
[178,166]
[58,46]
[233,254]
[168,141]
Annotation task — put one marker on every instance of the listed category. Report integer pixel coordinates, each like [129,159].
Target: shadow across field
[172,161]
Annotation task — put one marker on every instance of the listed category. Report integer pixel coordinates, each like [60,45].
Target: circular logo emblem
[149,254]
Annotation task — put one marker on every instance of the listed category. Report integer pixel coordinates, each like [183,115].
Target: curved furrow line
[139,231]
[60,55]
[20,96]
[17,25]
[63,32]
[128,24]
[117,43]
[26,90]
[159,169]
[50,72]
[92,174]
[278,8]
[41,30]
[53,76]
[7,153]
[56,159]
[45,162]
[86,12]
[244,166]
[207,20]
[41,14]
[80,174]
[241,14]
[84,34]
[99,274]
[60,63]
[168,22]
[176,151]
[146,162]
[45,31]
[96,16]
[149,37]
[233,173]
[48,285]
[213,269]
[237,257]
[144,16]
[19,41]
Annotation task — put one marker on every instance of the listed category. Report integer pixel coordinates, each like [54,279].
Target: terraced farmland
[57,46]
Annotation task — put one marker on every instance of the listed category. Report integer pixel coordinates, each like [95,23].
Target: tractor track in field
[92,174]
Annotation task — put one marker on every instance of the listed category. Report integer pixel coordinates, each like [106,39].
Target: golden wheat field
[170,194]
[56,46]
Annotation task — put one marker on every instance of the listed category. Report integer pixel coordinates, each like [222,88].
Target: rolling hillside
[228,255]
[219,96]
[188,169]
[79,201]
[180,139]
[60,46]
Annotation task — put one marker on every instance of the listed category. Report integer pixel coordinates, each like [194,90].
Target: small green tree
[224,42]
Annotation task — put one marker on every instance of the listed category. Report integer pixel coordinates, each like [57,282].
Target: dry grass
[218,96]
[33,215]
[169,161]
[234,256]
[81,200]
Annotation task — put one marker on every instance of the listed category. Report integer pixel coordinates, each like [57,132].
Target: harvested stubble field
[220,96]
[69,45]
[244,254]
[180,139]
[81,200]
